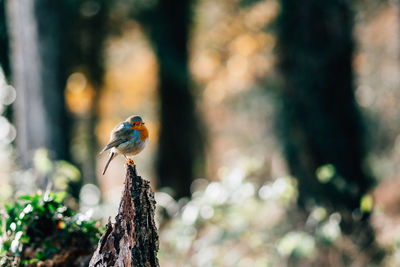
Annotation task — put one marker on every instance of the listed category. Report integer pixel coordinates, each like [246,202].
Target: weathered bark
[37,75]
[133,239]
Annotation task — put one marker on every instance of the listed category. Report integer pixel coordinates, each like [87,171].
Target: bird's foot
[130,162]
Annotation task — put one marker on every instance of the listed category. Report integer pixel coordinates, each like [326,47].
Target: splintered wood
[133,239]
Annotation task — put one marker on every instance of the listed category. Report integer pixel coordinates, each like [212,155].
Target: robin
[127,138]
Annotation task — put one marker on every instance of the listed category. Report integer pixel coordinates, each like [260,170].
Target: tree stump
[133,239]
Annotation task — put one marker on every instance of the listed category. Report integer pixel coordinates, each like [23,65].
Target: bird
[127,138]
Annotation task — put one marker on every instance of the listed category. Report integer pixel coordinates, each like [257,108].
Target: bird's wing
[113,143]
[119,135]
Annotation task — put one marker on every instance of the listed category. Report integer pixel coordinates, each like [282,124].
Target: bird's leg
[130,161]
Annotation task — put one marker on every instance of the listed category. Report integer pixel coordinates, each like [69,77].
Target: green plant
[38,227]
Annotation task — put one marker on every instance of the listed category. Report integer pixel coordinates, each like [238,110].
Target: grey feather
[120,134]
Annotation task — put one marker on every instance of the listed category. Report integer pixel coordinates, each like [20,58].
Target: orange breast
[144,133]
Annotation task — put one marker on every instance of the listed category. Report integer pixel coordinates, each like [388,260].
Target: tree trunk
[86,36]
[4,46]
[180,151]
[38,77]
[319,120]
[133,239]
[95,33]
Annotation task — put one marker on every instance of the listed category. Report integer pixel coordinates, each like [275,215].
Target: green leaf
[367,203]
[40,255]
[27,197]
[25,238]
[60,196]
[6,245]
[40,208]
[31,261]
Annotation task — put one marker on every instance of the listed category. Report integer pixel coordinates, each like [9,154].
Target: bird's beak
[142,123]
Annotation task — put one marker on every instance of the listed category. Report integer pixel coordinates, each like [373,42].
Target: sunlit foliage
[236,222]
[38,227]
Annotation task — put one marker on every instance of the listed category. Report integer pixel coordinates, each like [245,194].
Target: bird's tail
[112,155]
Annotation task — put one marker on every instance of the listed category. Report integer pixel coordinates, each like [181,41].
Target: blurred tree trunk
[4,48]
[87,34]
[37,75]
[319,119]
[180,151]
[93,38]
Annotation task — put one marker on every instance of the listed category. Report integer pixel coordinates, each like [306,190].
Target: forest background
[274,124]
